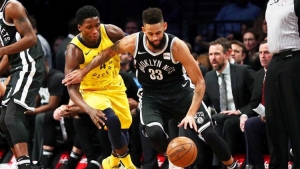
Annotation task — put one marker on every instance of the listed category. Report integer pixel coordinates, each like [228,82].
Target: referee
[282,90]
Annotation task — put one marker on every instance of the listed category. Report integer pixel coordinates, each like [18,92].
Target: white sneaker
[172,166]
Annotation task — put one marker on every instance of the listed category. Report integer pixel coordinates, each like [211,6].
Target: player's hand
[98,117]
[74,77]
[231,112]
[188,120]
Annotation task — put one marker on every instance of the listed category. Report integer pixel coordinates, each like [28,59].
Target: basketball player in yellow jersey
[102,90]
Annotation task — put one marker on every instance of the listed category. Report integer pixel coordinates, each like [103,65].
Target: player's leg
[118,122]
[218,145]
[153,124]
[5,131]
[119,140]
[18,134]
[49,139]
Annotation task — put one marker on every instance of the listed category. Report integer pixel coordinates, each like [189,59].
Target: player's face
[90,29]
[217,57]
[155,34]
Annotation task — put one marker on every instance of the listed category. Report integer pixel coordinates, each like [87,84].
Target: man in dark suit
[228,90]
[255,127]
[60,54]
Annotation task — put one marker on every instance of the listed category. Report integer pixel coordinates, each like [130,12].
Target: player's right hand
[188,121]
[98,117]
[74,77]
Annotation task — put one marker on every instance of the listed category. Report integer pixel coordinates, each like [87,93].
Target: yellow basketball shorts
[111,96]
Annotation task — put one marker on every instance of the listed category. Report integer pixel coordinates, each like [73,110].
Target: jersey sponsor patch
[167,56]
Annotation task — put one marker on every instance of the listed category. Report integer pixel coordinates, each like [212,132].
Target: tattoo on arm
[116,47]
[20,23]
[104,56]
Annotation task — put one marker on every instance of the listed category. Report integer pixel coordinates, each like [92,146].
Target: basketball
[182,151]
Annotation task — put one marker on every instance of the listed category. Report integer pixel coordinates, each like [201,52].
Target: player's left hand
[74,77]
[188,120]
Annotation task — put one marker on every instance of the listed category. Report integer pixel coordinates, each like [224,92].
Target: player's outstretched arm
[127,44]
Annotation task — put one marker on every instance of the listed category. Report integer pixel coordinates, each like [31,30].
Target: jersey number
[155,74]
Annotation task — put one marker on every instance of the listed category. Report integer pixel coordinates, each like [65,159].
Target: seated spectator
[239,52]
[228,90]
[44,122]
[255,127]
[251,41]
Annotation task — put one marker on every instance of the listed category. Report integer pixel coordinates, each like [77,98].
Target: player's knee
[112,121]
[209,134]
[154,132]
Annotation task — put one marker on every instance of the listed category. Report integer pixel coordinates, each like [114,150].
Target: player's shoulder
[114,32]
[14,5]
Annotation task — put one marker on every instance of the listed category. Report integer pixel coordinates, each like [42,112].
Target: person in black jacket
[255,127]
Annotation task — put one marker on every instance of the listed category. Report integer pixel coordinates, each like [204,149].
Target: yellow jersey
[106,73]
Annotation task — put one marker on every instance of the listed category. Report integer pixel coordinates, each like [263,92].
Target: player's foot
[105,164]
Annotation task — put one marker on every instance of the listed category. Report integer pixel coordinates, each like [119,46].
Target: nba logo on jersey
[167,56]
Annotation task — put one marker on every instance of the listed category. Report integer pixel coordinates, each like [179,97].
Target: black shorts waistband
[287,53]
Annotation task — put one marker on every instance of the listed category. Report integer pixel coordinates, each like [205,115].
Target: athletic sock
[126,160]
[114,160]
[232,166]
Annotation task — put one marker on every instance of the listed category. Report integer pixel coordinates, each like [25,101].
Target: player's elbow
[33,40]
[200,84]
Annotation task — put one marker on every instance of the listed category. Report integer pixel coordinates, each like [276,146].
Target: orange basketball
[182,151]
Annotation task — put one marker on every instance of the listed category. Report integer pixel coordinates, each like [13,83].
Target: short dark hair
[225,43]
[85,12]
[242,45]
[152,16]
